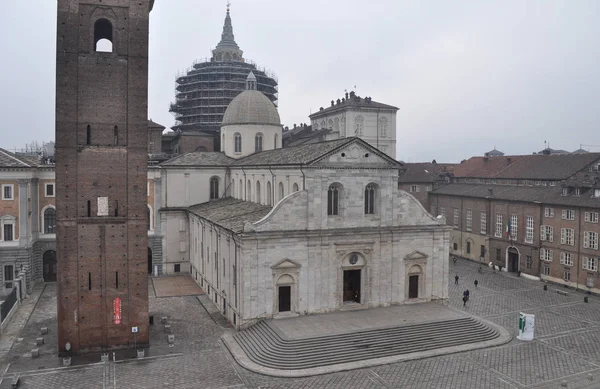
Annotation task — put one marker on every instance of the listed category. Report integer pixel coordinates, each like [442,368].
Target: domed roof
[251,107]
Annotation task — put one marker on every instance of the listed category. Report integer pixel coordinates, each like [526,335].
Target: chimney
[332,103]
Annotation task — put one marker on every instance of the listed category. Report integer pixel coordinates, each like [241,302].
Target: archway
[149,260]
[512,259]
[49,266]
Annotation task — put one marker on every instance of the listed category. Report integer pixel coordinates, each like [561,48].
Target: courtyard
[563,354]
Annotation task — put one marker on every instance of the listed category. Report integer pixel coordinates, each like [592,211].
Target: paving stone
[584,343]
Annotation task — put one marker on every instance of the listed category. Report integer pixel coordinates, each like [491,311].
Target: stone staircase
[267,348]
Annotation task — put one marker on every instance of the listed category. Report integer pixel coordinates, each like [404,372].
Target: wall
[271,138]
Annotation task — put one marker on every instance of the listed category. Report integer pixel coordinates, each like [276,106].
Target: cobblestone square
[565,348]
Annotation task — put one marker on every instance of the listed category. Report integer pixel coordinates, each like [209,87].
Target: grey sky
[466,75]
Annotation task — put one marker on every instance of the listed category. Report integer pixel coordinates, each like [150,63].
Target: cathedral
[272,232]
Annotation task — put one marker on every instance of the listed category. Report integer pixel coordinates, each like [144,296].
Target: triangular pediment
[286,264]
[357,153]
[415,255]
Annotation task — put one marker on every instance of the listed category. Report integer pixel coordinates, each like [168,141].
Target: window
[359,124]
[258,142]
[568,214]
[214,188]
[469,219]
[89,208]
[443,211]
[482,251]
[49,189]
[528,262]
[116,135]
[275,142]
[103,36]
[383,127]
[258,194]
[455,246]
[529,230]
[591,217]
[468,247]
[455,214]
[546,270]
[547,233]
[9,275]
[566,259]
[577,191]
[567,275]
[295,187]
[370,192]
[7,192]
[483,223]
[149,215]
[269,194]
[333,198]
[8,233]
[237,137]
[567,236]
[546,255]
[281,191]
[88,135]
[498,233]
[177,268]
[596,192]
[590,240]
[414,188]
[549,212]
[565,191]
[50,221]
[428,188]
[514,226]
[248,191]
[498,255]
[590,264]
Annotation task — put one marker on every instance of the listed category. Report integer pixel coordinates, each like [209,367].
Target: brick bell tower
[101,162]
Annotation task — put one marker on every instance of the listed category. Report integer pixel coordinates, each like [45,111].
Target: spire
[227,49]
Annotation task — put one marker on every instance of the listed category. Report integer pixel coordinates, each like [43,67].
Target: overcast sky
[466,75]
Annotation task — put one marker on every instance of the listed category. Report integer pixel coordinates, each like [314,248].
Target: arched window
[275,141]
[116,135]
[359,124]
[281,191]
[249,191]
[103,36]
[269,194]
[232,189]
[89,208]
[88,135]
[258,142]
[336,124]
[258,198]
[330,124]
[295,187]
[223,143]
[383,127]
[241,189]
[116,208]
[214,188]
[333,200]
[149,218]
[370,196]
[237,139]
[50,221]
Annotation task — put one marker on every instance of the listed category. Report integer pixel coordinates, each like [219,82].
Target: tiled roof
[422,172]
[545,195]
[8,159]
[292,132]
[535,167]
[200,158]
[298,155]
[352,102]
[231,213]
[152,124]
[310,137]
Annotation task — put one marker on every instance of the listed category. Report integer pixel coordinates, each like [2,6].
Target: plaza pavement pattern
[564,354]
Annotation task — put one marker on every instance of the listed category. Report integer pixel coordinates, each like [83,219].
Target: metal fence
[8,303]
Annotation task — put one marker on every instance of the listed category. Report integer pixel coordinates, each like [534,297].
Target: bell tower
[101,173]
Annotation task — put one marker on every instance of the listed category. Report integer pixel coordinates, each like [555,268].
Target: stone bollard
[585,299]
[35,353]
[104,357]
[44,330]
[167,328]
[171,339]
[545,287]
[564,384]
[67,361]
[140,353]
[163,320]
[590,377]
[39,341]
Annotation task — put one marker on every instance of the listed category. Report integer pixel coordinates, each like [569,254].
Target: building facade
[102,149]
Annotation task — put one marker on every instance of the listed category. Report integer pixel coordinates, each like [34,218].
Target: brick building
[421,178]
[537,214]
[102,154]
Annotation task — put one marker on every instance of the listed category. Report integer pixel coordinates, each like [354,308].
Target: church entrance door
[352,286]
[413,287]
[285,298]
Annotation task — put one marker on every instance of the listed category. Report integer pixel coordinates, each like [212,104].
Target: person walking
[454,260]
[467,293]
[465,301]
[456,279]
[476,282]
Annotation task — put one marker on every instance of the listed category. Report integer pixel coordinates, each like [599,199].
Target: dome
[251,107]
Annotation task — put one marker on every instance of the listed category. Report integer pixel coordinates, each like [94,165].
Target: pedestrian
[476,283]
[454,260]
[467,293]
[456,279]
[479,270]
[465,301]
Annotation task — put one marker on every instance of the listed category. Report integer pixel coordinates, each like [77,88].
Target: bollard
[39,341]
[167,328]
[163,320]
[140,353]
[67,361]
[585,299]
[545,287]
[104,357]
[171,339]
[44,330]
[35,353]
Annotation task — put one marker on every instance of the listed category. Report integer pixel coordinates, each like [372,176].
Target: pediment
[358,153]
[286,264]
[415,256]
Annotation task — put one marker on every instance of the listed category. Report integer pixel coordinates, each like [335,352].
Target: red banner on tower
[117,310]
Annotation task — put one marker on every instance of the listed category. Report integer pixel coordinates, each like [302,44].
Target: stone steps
[265,347]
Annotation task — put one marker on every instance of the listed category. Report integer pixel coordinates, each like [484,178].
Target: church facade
[302,230]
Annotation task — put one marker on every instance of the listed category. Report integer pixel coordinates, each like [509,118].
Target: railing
[8,304]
